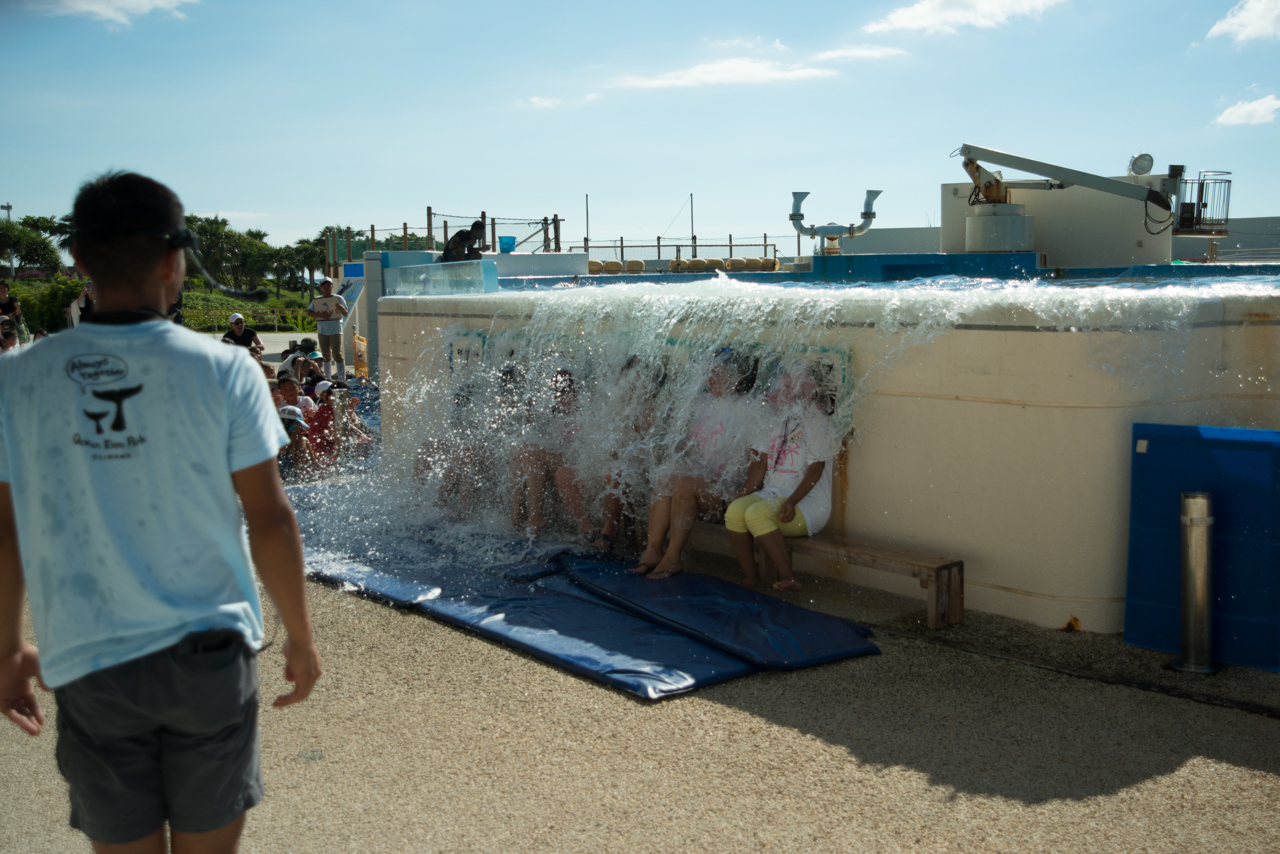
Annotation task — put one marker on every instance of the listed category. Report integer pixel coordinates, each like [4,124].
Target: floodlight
[1140,164]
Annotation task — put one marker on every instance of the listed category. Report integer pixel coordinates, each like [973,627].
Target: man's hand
[302,668]
[787,511]
[17,697]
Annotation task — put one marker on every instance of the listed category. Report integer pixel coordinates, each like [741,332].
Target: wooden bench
[941,577]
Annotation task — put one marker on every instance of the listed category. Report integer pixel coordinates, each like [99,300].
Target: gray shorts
[330,347]
[169,737]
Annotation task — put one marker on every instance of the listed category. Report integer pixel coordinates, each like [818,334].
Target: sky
[287,116]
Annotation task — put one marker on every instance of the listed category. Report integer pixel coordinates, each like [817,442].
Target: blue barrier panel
[1241,469]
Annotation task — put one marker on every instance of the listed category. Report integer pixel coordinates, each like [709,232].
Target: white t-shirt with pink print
[787,445]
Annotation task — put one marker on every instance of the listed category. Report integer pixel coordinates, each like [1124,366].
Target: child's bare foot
[666,568]
[788,585]
[647,562]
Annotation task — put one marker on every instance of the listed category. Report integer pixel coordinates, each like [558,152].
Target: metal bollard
[1197,590]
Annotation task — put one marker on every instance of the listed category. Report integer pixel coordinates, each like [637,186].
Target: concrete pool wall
[999,435]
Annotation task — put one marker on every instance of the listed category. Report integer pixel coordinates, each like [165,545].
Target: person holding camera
[148,638]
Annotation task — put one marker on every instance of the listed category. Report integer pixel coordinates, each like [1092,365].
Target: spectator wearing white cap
[297,459]
[329,312]
[244,336]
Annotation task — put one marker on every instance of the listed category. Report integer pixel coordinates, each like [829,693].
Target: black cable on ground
[1123,681]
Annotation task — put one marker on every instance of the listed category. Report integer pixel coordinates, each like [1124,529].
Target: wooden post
[348,247]
[373,239]
[406,235]
[555,219]
[764,246]
[430,239]
[622,249]
[484,227]
[493,242]
[797,244]
[446,232]
[546,235]
[730,245]
[695,246]
[659,247]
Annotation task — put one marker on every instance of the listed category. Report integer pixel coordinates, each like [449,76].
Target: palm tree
[284,266]
[311,257]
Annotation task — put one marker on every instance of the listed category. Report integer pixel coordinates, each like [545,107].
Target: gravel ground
[422,737]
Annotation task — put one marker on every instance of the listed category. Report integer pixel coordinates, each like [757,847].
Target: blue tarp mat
[553,620]
[591,639]
[767,632]
[1241,469]
[519,594]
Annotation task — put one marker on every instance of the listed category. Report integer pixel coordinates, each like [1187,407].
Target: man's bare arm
[19,661]
[276,547]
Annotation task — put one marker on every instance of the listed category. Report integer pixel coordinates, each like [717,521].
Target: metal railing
[1204,203]
[621,249]
[1237,256]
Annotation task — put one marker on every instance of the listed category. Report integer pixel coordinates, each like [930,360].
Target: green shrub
[43,300]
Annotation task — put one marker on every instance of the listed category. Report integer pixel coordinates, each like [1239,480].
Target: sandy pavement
[422,737]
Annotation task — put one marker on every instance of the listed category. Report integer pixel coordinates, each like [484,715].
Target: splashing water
[613,390]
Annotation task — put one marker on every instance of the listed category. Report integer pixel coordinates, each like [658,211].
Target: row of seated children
[786,490]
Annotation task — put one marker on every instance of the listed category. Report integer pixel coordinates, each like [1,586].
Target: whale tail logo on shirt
[118,397]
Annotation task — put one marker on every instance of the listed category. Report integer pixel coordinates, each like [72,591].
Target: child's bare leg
[537,490]
[775,546]
[571,495]
[612,511]
[659,523]
[520,471]
[744,550]
[684,510]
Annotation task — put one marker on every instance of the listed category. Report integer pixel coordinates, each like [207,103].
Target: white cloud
[756,42]
[860,51]
[743,70]
[1250,19]
[540,103]
[589,97]
[1258,112]
[120,12]
[945,16]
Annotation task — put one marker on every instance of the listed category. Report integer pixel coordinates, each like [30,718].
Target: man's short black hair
[478,225]
[119,221]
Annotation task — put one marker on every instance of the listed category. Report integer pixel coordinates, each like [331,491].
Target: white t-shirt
[787,447]
[128,523]
[306,404]
[714,435]
[330,304]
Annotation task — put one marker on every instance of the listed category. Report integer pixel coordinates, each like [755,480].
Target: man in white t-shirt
[120,510]
[329,312]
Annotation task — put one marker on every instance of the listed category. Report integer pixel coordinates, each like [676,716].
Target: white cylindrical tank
[999,228]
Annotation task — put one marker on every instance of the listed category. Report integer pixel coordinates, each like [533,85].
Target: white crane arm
[1065,175]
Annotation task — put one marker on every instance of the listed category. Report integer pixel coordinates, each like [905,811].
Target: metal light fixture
[1140,164]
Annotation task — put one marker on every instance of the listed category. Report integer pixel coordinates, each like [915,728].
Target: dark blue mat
[591,639]
[554,620]
[760,629]
[519,594]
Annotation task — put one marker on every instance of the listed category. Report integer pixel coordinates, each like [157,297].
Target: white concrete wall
[1075,227]
[1003,442]
[893,241]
